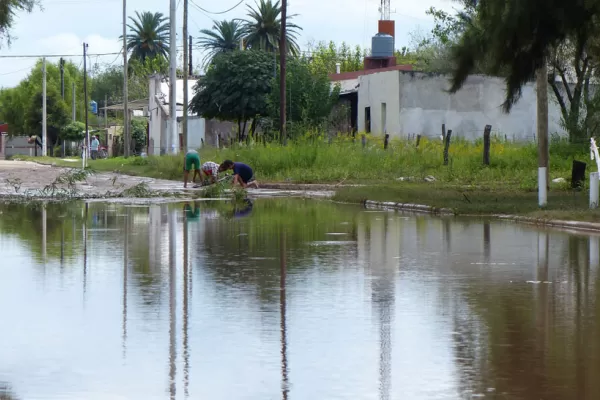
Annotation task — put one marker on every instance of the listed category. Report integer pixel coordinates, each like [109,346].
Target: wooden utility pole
[185,76]
[74,108]
[173,136]
[127,139]
[62,93]
[44,110]
[542,134]
[282,72]
[85,100]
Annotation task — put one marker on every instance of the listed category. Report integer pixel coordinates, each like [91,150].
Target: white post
[338,67]
[44,110]
[173,78]
[542,187]
[594,181]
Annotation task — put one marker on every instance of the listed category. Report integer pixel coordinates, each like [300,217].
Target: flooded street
[291,299]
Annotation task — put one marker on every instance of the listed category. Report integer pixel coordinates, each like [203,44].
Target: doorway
[368,119]
[383,118]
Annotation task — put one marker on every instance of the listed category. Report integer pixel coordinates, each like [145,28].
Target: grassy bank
[512,165]
[562,204]
[508,185]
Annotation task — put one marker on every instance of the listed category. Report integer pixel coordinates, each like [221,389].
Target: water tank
[382,46]
[94,107]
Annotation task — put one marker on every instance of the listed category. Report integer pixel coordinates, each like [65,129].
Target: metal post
[185,76]
[74,116]
[44,109]
[282,73]
[542,133]
[85,103]
[173,76]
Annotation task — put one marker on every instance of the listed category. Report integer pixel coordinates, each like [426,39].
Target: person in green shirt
[192,159]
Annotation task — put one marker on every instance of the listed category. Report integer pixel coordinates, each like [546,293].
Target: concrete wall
[417,103]
[18,146]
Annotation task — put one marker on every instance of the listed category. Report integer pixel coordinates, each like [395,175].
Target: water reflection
[184,301]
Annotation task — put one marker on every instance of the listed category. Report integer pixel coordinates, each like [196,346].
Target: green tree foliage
[148,36]
[16,102]
[56,119]
[324,57]
[224,36]
[235,87]
[519,35]
[75,131]
[309,94]
[138,133]
[8,11]
[263,28]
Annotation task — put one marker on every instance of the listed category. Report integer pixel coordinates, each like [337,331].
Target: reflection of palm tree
[6,392]
[224,36]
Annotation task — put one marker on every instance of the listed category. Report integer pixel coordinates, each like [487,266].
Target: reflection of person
[210,171]
[192,158]
[242,173]
[191,215]
[245,211]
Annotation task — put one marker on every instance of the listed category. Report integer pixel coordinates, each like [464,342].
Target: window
[383,118]
[368,119]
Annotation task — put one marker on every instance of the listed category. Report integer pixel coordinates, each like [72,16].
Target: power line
[19,70]
[55,55]
[219,12]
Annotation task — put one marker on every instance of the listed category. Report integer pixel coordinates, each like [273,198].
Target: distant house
[200,131]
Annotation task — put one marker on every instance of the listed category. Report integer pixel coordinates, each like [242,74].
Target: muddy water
[291,299]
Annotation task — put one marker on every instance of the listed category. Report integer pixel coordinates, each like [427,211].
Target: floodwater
[291,299]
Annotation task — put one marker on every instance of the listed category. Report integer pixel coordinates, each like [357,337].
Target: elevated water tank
[94,107]
[382,46]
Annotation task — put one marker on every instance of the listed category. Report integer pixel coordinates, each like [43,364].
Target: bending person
[242,173]
[192,159]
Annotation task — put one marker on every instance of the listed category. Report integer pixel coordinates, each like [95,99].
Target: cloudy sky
[63,25]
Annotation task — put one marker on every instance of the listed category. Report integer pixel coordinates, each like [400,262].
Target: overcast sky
[63,25]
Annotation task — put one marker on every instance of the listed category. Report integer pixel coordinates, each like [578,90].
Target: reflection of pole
[447,234]
[44,231]
[282,309]
[62,243]
[186,354]
[85,218]
[125,276]
[172,303]
[542,303]
[486,242]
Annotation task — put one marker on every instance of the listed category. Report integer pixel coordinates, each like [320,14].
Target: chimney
[338,67]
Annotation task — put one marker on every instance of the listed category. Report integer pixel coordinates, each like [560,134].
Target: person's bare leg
[186,176]
[254,184]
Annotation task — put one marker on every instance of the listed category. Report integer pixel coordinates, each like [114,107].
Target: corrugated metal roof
[347,86]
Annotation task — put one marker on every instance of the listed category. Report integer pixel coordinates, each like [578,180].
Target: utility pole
[44,110]
[185,75]
[62,93]
[190,72]
[74,110]
[542,134]
[85,100]
[106,119]
[126,136]
[173,77]
[282,72]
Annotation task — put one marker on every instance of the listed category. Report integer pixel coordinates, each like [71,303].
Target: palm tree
[263,28]
[224,36]
[149,36]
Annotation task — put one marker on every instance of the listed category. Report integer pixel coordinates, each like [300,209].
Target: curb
[556,223]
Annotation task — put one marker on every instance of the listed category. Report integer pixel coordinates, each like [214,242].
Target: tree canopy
[8,10]
[235,87]
[148,36]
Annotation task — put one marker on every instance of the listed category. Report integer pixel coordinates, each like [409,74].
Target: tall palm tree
[263,27]
[149,36]
[224,36]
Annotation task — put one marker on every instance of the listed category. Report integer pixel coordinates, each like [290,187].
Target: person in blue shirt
[242,173]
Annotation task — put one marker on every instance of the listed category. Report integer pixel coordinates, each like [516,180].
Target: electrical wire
[219,12]
[54,55]
[19,70]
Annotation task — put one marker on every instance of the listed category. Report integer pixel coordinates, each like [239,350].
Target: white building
[404,103]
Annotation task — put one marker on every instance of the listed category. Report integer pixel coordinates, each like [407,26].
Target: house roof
[344,76]
[132,105]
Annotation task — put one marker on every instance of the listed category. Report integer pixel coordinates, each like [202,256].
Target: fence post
[594,183]
[418,140]
[444,132]
[364,141]
[447,146]
[386,141]
[486,144]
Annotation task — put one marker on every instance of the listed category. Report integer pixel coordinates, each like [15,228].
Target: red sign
[3,128]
